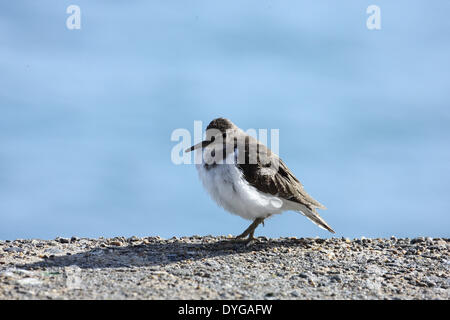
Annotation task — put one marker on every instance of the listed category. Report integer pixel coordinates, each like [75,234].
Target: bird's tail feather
[314,217]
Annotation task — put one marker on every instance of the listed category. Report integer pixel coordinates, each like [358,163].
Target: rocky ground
[215,268]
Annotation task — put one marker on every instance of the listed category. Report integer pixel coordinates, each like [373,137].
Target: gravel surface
[216,268]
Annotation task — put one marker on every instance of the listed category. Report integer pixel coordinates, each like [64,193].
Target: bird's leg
[250,230]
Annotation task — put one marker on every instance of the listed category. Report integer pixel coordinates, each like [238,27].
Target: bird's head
[216,129]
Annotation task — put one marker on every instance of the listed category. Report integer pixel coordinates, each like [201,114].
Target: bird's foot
[251,241]
[245,241]
[246,237]
[240,239]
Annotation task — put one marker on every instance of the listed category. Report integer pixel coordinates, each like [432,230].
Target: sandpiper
[246,178]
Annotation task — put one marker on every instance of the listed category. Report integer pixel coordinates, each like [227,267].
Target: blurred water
[86,115]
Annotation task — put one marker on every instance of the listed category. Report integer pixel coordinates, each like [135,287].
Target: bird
[246,178]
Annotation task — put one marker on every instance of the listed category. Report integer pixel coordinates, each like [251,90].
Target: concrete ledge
[215,268]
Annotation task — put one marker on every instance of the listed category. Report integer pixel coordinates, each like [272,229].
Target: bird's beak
[198,145]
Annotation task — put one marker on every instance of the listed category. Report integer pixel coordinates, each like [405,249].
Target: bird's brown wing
[266,176]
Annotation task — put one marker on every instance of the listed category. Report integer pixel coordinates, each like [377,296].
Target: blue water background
[86,115]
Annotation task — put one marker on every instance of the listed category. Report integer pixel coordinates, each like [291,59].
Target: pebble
[62,240]
[304,275]
[295,293]
[54,251]
[13,249]
[417,240]
[336,278]
[29,282]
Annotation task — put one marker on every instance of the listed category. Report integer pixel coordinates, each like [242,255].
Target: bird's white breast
[227,186]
